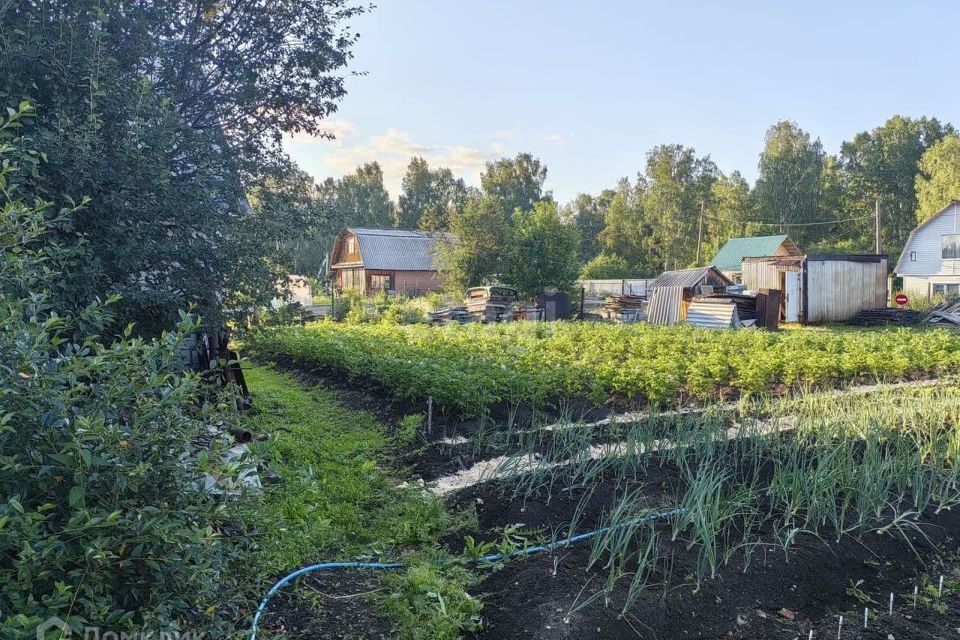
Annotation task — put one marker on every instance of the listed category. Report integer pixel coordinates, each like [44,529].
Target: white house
[930,262]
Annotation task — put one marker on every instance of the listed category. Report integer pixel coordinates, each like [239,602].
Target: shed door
[792,295]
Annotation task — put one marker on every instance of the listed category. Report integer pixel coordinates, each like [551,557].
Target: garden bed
[470,369]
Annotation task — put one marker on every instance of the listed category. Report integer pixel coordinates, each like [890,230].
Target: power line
[786,224]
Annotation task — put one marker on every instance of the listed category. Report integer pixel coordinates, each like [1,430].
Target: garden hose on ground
[496,557]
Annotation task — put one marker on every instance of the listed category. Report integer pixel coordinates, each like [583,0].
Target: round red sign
[902,299]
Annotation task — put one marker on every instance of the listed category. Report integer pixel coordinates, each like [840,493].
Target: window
[381,281]
[913,256]
[951,246]
[351,245]
[946,290]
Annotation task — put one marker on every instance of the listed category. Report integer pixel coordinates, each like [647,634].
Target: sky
[591,87]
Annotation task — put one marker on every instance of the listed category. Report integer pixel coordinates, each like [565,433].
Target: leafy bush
[427,601]
[102,521]
[605,266]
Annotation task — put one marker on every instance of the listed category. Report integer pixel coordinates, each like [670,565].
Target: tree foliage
[882,164]
[542,251]
[518,181]
[428,197]
[481,234]
[938,182]
[166,114]
[605,266]
[102,519]
[789,185]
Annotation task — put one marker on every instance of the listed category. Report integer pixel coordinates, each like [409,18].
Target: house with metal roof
[395,260]
[729,259]
[930,261]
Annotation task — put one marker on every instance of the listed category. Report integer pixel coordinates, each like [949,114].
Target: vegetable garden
[757,495]
[468,368]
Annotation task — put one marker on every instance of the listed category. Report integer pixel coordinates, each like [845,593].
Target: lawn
[468,368]
[336,503]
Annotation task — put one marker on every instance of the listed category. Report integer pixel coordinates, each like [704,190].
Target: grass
[335,503]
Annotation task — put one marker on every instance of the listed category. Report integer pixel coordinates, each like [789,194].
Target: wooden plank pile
[946,313]
[490,304]
[451,314]
[886,316]
[625,308]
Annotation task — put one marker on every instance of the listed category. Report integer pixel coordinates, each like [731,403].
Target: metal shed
[821,288]
[672,292]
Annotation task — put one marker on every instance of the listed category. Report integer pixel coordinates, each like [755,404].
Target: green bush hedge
[102,522]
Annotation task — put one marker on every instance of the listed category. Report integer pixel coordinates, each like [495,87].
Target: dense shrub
[102,521]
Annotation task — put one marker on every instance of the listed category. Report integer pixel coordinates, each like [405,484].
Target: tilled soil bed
[778,596]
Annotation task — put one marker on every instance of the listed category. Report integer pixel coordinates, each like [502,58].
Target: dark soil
[336,605]
[538,597]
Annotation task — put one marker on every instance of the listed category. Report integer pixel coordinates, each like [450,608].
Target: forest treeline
[651,222]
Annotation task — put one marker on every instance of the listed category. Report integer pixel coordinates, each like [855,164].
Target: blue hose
[496,557]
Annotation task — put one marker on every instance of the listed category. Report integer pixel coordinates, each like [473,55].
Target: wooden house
[930,262]
[672,291]
[821,288]
[729,260]
[395,260]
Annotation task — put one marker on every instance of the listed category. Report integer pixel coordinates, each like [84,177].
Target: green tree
[518,181]
[728,205]
[939,179]
[359,199]
[588,213]
[428,197]
[788,188]
[481,230]
[542,250]
[625,229]
[677,183]
[883,164]
[166,115]
[605,267]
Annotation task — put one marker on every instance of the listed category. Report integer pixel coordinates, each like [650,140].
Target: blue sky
[590,87]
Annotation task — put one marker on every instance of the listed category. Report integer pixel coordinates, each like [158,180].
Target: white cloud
[556,139]
[393,149]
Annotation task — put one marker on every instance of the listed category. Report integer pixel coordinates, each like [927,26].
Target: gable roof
[687,278]
[398,249]
[731,255]
[906,245]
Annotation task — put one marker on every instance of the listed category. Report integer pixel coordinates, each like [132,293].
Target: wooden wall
[837,288]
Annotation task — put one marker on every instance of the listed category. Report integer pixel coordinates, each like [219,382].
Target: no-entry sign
[902,299]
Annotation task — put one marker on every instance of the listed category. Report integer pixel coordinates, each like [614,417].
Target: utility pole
[700,233]
[879,242]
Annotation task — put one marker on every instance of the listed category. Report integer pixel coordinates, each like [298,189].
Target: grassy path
[334,503]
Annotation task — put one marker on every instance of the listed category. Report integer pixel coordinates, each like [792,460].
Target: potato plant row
[469,367]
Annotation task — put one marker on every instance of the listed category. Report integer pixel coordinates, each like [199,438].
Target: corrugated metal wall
[760,274]
[837,289]
[666,306]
